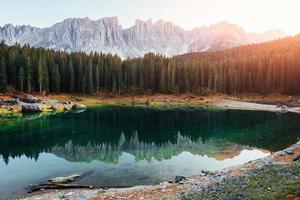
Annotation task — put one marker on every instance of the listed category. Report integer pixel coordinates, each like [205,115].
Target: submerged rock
[67,179]
[78,107]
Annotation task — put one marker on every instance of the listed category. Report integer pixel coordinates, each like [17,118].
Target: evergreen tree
[21,75]
[3,75]
[71,77]
[40,74]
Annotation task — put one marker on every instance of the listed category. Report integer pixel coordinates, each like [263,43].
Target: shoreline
[163,101]
[189,188]
[167,190]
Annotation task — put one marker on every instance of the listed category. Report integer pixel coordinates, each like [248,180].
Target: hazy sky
[253,15]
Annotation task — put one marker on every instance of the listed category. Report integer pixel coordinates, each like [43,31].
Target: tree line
[264,68]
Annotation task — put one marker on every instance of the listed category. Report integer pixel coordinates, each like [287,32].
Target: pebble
[69,194]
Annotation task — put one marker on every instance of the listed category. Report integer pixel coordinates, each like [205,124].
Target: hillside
[263,68]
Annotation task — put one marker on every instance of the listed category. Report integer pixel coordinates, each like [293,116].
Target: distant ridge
[107,35]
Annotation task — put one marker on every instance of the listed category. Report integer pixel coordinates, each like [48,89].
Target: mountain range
[107,35]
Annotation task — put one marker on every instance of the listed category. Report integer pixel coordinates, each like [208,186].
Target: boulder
[28,99]
[178,179]
[78,107]
[8,102]
[32,108]
[58,107]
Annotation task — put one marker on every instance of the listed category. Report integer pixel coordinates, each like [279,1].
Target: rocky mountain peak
[114,21]
[107,35]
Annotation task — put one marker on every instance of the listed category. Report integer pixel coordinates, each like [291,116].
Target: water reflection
[103,134]
[130,146]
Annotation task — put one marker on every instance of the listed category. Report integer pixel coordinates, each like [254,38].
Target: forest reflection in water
[103,134]
[128,146]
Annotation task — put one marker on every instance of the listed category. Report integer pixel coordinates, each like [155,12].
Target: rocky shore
[26,103]
[14,103]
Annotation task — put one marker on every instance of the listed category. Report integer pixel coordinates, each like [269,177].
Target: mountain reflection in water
[119,146]
[103,134]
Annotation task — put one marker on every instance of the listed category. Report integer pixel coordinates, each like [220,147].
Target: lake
[126,146]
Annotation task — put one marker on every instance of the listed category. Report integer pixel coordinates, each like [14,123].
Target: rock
[58,107]
[69,194]
[297,158]
[28,99]
[67,179]
[9,102]
[32,108]
[66,102]
[181,182]
[179,179]
[100,191]
[78,107]
[205,172]
[288,152]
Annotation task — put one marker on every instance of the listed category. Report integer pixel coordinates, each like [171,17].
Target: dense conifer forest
[264,68]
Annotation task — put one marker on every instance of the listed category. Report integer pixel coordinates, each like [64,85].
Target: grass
[141,101]
[273,182]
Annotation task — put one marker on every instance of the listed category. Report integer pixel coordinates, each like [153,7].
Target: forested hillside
[265,68]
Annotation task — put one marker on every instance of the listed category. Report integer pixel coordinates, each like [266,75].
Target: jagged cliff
[107,35]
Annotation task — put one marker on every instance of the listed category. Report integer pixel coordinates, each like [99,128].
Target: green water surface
[126,146]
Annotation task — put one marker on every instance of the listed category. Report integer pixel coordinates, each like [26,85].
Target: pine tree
[90,76]
[40,74]
[45,72]
[3,75]
[21,75]
[71,77]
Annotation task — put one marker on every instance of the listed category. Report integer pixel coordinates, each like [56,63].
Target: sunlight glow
[253,15]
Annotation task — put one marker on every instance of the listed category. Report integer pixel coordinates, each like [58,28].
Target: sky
[252,15]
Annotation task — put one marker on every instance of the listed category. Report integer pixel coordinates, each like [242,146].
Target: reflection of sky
[21,172]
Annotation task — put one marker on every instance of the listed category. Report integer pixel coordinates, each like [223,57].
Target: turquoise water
[119,146]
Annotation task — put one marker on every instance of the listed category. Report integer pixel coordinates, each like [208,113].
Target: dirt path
[233,104]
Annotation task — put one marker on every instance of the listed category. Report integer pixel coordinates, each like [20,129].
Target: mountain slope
[108,36]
